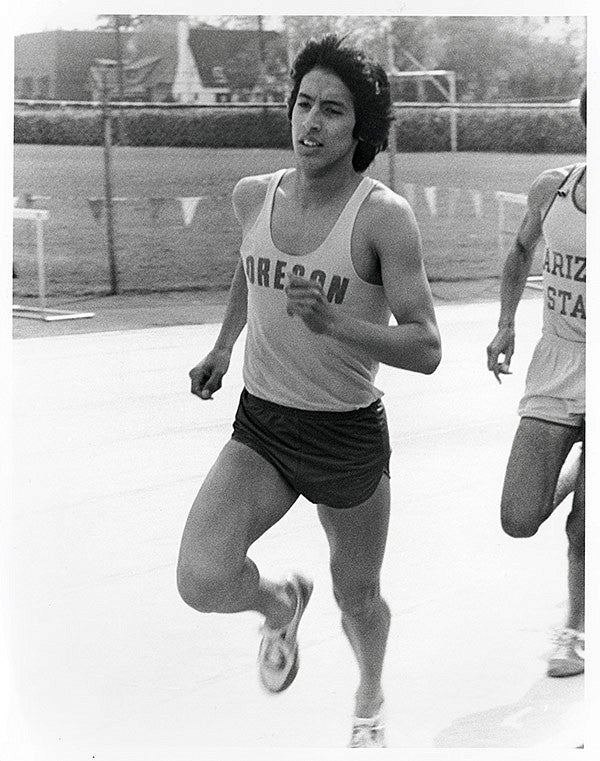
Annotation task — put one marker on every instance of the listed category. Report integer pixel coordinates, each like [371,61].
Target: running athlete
[552,409]
[327,256]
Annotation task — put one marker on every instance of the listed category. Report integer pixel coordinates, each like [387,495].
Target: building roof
[85,44]
[136,75]
[213,48]
[150,53]
[155,41]
[141,63]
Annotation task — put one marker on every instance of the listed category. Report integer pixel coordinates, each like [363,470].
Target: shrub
[497,130]
[62,126]
[493,130]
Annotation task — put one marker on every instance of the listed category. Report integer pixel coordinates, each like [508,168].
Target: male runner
[326,255]
[553,408]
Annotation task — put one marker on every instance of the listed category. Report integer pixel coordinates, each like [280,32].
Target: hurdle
[41,312]
[533,281]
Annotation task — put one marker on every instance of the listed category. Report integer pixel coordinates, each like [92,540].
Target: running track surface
[108,663]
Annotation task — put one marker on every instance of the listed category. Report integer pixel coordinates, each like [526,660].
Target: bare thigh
[357,537]
[242,496]
[538,452]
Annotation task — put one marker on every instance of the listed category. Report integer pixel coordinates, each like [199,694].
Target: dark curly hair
[368,84]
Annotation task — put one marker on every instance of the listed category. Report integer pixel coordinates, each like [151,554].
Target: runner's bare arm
[208,374]
[412,344]
[517,268]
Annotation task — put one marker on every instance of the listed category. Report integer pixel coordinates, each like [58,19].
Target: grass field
[165,243]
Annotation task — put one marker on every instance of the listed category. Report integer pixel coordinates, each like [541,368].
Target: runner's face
[323,120]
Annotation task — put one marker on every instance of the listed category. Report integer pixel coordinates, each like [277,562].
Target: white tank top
[564,264]
[285,362]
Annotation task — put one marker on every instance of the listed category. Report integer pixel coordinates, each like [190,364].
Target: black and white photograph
[295,369]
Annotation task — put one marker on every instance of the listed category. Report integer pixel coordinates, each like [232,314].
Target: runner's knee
[576,531]
[357,600]
[516,522]
[206,588]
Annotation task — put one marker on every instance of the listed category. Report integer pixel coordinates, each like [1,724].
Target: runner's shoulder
[249,194]
[545,185]
[387,225]
[383,204]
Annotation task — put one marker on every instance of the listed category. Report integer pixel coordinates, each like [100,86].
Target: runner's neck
[316,190]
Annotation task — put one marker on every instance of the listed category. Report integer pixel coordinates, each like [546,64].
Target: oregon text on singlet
[284,362]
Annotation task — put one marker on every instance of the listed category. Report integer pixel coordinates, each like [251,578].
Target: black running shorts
[331,458]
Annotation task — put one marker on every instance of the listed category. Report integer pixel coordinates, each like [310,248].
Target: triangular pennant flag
[453,194]
[188,207]
[409,193]
[96,206]
[29,199]
[477,202]
[156,205]
[431,197]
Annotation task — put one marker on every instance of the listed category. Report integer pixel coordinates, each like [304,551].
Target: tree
[367,31]
[258,66]
[120,24]
[552,71]
[498,58]
[494,57]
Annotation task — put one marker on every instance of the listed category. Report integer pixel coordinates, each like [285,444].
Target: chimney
[186,84]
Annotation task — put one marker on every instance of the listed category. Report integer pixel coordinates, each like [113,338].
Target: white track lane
[109,663]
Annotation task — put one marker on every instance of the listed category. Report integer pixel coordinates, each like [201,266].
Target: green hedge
[231,128]
[58,127]
[497,130]
[492,130]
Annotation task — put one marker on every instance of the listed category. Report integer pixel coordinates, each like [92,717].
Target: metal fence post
[108,196]
[39,226]
[453,113]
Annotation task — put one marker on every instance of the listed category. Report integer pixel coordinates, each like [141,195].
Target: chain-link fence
[139,198]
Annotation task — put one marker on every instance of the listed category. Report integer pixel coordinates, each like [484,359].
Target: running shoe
[568,656]
[278,656]
[368,733]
